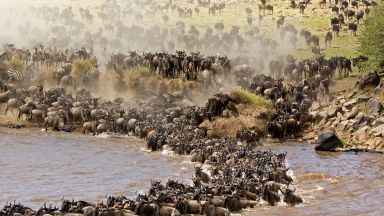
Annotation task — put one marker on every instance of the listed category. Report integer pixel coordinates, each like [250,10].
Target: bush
[372,43]
[80,67]
[132,77]
[243,96]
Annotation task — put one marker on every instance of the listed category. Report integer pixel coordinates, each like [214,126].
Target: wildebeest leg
[6,110]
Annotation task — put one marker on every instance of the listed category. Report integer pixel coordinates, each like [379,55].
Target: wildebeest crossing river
[38,167]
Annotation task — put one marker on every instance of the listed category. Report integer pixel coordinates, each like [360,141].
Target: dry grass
[80,67]
[227,127]
[133,77]
[142,78]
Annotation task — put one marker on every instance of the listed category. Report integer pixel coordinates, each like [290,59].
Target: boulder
[378,131]
[371,79]
[351,94]
[378,121]
[360,120]
[374,106]
[361,135]
[332,111]
[363,98]
[337,121]
[344,109]
[339,98]
[343,125]
[327,140]
[350,104]
[352,114]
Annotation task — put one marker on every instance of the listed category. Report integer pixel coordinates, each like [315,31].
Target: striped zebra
[5,56]
[29,74]
[23,54]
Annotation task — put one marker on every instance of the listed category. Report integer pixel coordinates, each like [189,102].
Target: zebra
[29,74]
[5,56]
[23,54]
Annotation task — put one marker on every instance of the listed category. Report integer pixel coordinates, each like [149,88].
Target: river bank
[356,115]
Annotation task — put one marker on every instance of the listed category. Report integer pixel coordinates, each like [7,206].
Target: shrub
[80,67]
[132,77]
[372,43]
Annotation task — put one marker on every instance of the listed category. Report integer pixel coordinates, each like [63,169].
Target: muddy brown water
[38,167]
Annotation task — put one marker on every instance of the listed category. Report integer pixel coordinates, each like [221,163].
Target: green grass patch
[342,144]
[243,96]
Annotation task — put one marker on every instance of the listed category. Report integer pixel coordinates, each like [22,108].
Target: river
[38,167]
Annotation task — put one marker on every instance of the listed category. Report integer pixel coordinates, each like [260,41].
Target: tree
[372,43]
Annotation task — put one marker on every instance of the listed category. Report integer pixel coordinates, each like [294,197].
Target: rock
[351,94]
[378,121]
[369,79]
[370,143]
[327,140]
[340,98]
[329,122]
[374,143]
[352,114]
[374,106]
[323,114]
[378,131]
[337,121]
[361,135]
[378,141]
[342,101]
[344,109]
[359,120]
[343,125]
[363,98]
[350,104]
[339,115]
[332,111]
[315,106]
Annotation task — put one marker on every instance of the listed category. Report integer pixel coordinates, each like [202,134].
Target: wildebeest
[269,8]
[328,39]
[336,29]
[359,15]
[335,9]
[301,8]
[353,28]
[280,22]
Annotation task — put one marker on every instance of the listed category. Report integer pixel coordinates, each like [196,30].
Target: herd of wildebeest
[230,176]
